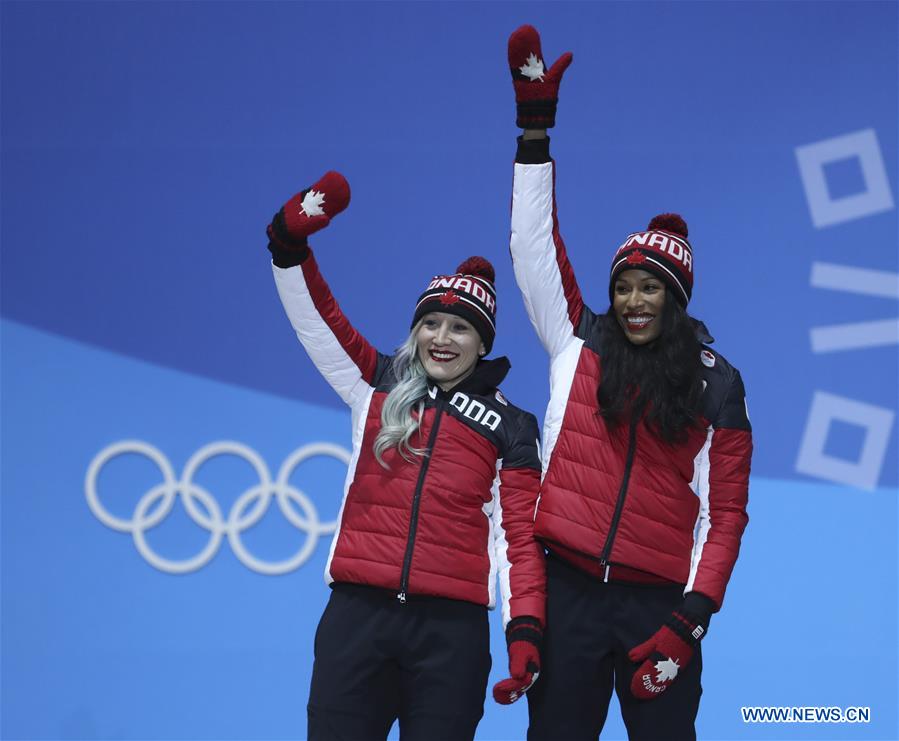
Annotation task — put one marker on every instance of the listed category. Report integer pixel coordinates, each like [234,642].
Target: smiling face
[638,299]
[448,347]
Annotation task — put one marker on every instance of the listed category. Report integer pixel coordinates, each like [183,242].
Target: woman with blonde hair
[438,502]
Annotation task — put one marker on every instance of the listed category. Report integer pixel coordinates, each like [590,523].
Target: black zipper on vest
[416,500]
[622,492]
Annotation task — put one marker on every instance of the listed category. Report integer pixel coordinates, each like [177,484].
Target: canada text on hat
[465,288]
[469,293]
[662,249]
[677,249]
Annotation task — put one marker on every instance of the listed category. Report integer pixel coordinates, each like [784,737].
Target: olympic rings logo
[249,508]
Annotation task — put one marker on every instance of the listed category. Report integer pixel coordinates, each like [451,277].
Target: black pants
[425,663]
[590,627]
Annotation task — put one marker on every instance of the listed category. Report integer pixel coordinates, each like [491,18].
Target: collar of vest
[702,332]
[487,375]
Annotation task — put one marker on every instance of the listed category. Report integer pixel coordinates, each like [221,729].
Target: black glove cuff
[688,631]
[286,251]
[700,607]
[537,114]
[524,628]
[533,151]
[691,620]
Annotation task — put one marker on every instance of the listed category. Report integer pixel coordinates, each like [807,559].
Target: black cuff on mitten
[536,114]
[691,620]
[524,628]
[532,151]
[699,607]
[286,251]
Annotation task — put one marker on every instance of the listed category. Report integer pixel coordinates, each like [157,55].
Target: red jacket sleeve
[723,491]
[521,564]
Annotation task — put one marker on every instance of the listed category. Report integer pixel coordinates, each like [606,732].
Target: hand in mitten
[536,90]
[304,214]
[523,638]
[666,653]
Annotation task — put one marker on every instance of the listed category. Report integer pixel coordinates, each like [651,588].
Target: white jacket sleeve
[342,355]
[544,274]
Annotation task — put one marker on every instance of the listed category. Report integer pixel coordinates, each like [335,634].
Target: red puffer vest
[450,523]
[625,497]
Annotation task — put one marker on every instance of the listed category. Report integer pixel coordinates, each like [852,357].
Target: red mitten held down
[523,637]
[664,655]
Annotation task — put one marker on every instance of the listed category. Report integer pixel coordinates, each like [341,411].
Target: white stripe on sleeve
[700,486]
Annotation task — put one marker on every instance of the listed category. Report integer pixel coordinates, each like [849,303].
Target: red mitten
[536,90]
[304,214]
[523,637]
[664,655]
[313,208]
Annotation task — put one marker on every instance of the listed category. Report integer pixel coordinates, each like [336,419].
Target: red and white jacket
[623,497]
[446,524]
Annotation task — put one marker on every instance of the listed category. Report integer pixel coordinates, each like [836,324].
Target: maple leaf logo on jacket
[532,68]
[667,670]
[312,203]
[449,298]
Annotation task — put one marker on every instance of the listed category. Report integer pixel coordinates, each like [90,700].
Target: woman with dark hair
[438,503]
[646,457]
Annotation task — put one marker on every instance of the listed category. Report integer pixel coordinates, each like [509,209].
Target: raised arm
[544,274]
[342,355]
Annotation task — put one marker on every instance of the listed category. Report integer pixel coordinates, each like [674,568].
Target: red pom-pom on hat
[673,223]
[479,266]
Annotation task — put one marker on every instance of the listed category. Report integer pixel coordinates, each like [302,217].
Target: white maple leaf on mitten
[312,203]
[667,670]
[532,68]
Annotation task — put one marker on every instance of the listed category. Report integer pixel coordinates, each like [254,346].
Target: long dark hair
[662,378]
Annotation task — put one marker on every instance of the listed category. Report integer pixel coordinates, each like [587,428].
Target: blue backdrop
[172,462]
